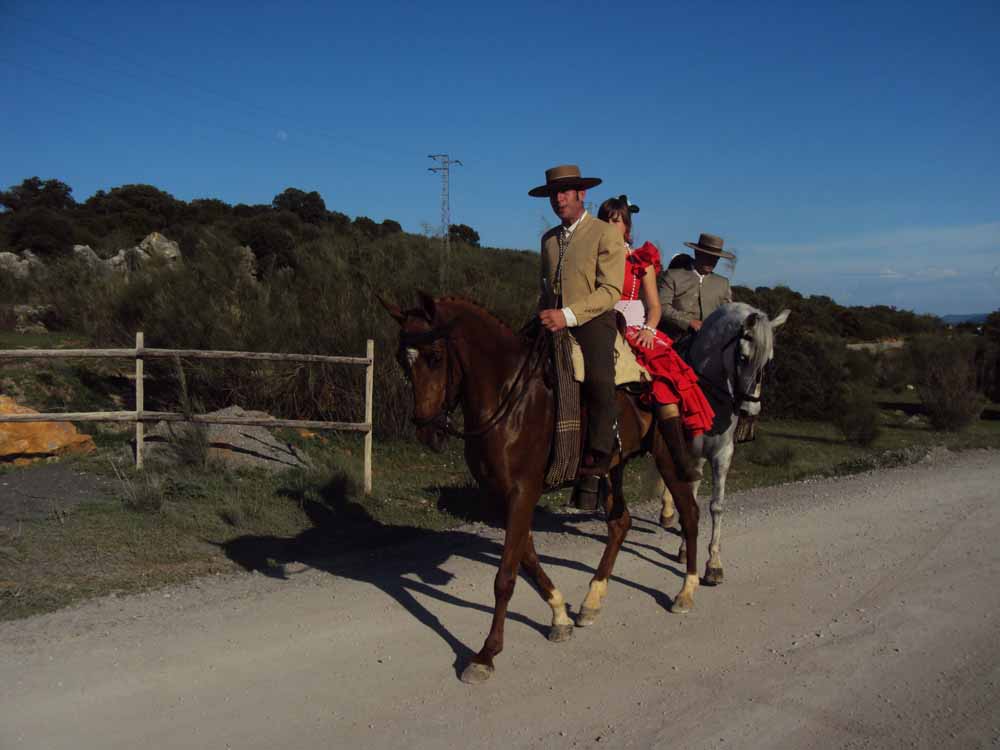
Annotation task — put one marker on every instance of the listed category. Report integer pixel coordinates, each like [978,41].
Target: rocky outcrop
[231,445]
[155,247]
[26,442]
[248,262]
[14,265]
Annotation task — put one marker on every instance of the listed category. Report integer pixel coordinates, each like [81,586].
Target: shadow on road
[406,561]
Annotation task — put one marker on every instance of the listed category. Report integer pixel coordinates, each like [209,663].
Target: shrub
[271,241]
[861,366]
[946,380]
[807,372]
[43,230]
[894,370]
[856,415]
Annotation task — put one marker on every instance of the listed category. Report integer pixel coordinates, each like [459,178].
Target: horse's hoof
[667,521]
[682,557]
[681,606]
[476,673]
[560,633]
[587,617]
[713,576]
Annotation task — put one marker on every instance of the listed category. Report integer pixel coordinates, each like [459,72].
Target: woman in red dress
[681,408]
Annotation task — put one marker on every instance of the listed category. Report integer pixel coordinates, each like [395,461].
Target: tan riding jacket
[684,296]
[593,269]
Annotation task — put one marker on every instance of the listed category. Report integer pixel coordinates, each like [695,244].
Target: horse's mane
[763,334]
[473,306]
[714,334]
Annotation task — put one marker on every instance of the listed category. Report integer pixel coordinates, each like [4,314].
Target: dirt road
[862,612]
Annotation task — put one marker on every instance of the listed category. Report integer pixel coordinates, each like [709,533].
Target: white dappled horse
[729,354]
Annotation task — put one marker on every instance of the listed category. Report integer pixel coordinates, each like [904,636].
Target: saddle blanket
[627,367]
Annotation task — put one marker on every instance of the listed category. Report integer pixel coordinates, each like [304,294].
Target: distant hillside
[956,319]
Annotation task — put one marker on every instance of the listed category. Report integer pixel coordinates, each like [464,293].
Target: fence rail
[140,416]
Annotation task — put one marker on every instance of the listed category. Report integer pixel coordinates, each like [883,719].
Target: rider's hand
[694,325]
[553,320]
[647,339]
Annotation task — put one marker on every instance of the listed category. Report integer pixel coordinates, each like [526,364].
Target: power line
[444,170]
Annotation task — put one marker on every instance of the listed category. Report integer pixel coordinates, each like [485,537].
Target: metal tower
[445,163]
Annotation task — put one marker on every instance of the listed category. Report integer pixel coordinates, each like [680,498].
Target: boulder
[26,442]
[33,318]
[127,261]
[88,257]
[14,265]
[155,245]
[236,446]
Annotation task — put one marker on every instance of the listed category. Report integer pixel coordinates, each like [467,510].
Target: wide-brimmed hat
[565,177]
[709,243]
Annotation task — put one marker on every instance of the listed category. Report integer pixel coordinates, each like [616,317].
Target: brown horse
[455,353]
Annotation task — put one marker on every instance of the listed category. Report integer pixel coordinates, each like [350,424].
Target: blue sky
[847,149]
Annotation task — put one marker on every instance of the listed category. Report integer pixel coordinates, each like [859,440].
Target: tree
[43,230]
[464,233]
[309,207]
[391,227]
[367,227]
[36,193]
[272,244]
[139,208]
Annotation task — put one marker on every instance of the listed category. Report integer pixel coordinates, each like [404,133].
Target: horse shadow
[406,562]
[467,504]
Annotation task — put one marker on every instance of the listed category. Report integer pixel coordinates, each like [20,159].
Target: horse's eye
[433,359]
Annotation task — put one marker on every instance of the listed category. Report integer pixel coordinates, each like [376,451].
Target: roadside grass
[120,545]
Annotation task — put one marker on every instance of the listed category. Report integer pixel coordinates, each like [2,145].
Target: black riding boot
[673,435]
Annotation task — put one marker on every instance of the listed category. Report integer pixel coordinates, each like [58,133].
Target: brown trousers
[597,343]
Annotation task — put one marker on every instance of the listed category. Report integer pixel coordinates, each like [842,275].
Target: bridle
[518,388]
[739,396]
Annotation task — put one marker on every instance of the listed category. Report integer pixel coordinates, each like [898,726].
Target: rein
[518,388]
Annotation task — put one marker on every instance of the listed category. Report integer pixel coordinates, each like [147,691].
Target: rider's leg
[669,423]
[597,343]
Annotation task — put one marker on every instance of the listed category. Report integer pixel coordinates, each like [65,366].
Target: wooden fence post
[369,397]
[140,428]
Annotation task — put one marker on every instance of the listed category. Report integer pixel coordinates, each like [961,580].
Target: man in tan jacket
[690,290]
[583,270]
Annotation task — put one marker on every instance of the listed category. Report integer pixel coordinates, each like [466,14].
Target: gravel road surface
[857,613]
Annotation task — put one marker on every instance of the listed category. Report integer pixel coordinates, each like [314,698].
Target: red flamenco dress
[674,382]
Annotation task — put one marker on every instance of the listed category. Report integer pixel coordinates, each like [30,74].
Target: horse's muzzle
[433,436]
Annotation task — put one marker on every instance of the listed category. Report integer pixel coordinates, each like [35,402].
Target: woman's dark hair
[617,208]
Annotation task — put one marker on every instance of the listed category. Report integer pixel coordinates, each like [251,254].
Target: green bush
[946,379]
[46,232]
[807,372]
[894,370]
[856,415]
[861,366]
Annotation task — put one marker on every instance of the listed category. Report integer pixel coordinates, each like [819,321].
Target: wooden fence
[140,416]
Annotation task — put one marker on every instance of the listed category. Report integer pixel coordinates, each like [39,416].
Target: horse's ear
[392,309]
[780,318]
[750,321]
[427,304]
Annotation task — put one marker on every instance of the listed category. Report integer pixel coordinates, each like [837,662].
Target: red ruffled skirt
[674,382]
